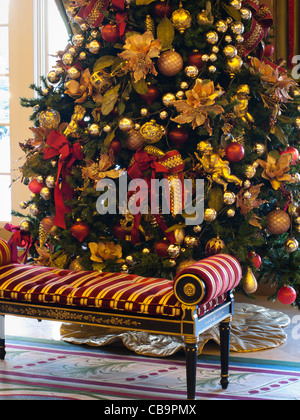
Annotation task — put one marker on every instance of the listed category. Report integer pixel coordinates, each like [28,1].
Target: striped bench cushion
[220,273]
[89,289]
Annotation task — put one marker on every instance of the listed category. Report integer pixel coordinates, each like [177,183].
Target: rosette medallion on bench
[199,298]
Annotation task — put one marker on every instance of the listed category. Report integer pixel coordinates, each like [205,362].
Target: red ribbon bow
[19,239]
[146,167]
[58,145]
[261,23]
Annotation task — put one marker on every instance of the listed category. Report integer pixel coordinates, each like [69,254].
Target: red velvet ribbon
[58,145]
[146,167]
[261,23]
[19,239]
[93,12]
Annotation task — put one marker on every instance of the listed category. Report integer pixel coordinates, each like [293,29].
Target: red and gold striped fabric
[89,289]
[220,273]
[5,253]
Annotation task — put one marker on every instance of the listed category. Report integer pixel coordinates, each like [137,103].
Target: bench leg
[2,337]
[225,349]
[191,367]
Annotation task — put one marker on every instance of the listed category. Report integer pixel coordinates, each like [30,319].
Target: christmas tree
[168,91]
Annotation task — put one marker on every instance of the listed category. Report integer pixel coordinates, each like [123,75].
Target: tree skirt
[253,328]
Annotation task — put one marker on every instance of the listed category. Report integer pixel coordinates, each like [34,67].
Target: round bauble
[234,152]
[151,96]
[135,140]
[287,295]
[94,46]
[169,99]
[190,241]
[195,59]
[25,226]
[210,215]
[255,259]
[49,119]
[181,19]
[110,33]
[80,230]
[115,146]
[162,9]
[229,198]
[126,124]
[48,223]
[46,193]
[269,50]
[76,265]
[178,136]
[50,181]
[173,251]
[170,63]
[294,152]
[119,232]
[291,245]
[34,210]
[35,187]
[161,248]
[278,222]
[214,246]
[53,77]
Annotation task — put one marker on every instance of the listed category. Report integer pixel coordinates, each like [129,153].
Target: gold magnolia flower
[276,78]
[201,101]
[104,251]
[139,53]
[276,170]
[80,90]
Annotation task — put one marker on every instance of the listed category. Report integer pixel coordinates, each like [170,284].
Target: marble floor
[288,351]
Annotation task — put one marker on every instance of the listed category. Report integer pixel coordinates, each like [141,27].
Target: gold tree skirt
[253,328]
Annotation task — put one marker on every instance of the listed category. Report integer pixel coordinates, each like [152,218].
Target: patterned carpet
[49,370]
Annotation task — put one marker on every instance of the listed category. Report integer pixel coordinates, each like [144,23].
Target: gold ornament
[126,124]
[214,246]
[259,148]
[250,282]
[231,213]
[49,119]
[94,47]
[53,77]
[50,181]
[229,197]
[179,235]
[73,73]
[191,71]
[25,226]
[190,241]
[210,215]
[130,260]
[101,81]
[197,229]
[34,210]
[68,59]
[23,205]
[246,13]
[291,245]
[230,51]
[278,222]
[234,65]
[76,265]
[222,26]
[250,172]
[135,140]
[149,24]
[212,37]
[45,194]
[94,130]
[215,166]
[205,17]
[237,28]
[152,132]
[169,99]
[78,40]
[184,264]
[173,251]
[170,63]
[237,4]
[181,19]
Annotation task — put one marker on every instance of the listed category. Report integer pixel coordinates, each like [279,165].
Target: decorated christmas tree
[168,91]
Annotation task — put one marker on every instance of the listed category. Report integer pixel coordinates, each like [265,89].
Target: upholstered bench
[199,298]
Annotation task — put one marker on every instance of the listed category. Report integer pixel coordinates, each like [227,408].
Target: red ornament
[110,33]
[161,248]
[80,231]
[178,136]
[195,59]
[287,295]
[235,152]
[119,232]
[269,50]
[255,259]
[293,151]
[152,94]
[115,146]
[35,186]
[162,9]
